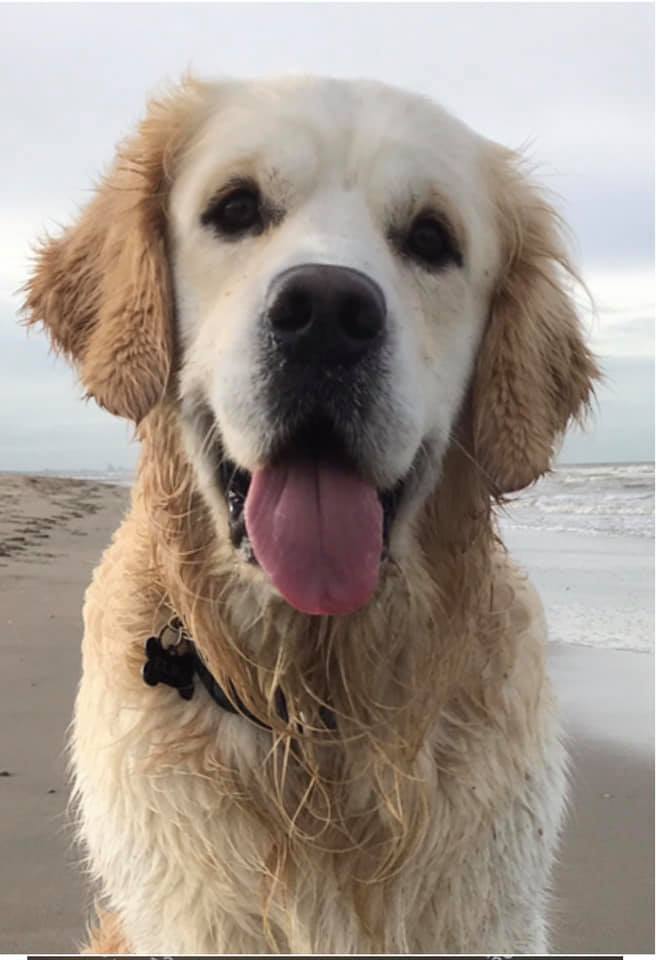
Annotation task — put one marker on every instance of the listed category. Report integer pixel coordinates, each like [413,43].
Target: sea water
[599,498]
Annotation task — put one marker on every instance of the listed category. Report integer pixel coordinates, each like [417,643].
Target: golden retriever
[342,322]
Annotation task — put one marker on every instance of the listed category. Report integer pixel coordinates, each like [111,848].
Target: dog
[314,715]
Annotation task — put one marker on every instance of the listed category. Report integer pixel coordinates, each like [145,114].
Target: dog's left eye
[236,213]
[429,242]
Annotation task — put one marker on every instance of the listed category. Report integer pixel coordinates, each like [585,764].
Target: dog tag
[166,665]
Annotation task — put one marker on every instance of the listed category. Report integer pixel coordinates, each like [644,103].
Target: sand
[592,585]
[51,534]
[601,587]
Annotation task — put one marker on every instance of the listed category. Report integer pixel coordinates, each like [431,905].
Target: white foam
[592,499]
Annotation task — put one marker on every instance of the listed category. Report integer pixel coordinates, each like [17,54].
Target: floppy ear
[534,372]
[103,290]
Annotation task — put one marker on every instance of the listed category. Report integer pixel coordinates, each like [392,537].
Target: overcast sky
[575,81]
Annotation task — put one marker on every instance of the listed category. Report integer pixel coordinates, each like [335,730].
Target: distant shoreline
[96,472]
[607,463]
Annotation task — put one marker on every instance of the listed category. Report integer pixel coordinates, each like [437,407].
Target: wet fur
[429,820]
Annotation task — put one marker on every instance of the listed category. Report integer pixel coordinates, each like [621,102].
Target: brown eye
[429,242]
[236,213]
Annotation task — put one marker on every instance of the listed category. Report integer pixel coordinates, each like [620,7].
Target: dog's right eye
[235,213]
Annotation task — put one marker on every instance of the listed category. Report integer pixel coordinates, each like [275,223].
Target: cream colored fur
[428,821]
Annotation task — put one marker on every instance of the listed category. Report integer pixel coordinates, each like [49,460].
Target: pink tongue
[317,531]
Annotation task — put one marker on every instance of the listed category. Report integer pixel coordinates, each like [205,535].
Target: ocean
[597,498]
[585,534]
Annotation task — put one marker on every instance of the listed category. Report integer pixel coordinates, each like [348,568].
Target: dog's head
[327,276]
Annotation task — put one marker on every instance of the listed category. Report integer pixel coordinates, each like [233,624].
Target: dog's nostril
[358,318]
[293,312]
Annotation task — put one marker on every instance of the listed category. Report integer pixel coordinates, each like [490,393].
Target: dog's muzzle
[312,513]
[322,344]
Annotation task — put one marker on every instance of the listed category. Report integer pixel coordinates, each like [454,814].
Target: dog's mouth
[315,525]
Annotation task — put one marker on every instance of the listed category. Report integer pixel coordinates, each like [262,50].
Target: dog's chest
[192,869]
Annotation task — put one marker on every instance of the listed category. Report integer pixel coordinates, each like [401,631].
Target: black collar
[178,663]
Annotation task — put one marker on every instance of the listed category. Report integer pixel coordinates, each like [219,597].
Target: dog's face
[333,258]
[336,250]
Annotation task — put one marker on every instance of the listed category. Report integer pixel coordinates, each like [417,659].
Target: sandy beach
[52,532]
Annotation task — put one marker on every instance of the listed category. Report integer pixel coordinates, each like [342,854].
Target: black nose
[326,314]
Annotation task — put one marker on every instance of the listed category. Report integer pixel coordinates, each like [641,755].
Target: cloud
[622,322]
